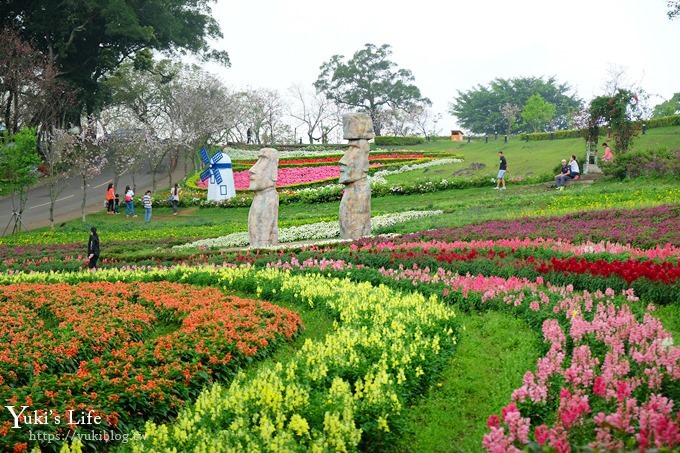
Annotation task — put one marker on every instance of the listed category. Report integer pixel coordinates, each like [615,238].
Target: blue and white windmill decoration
[221,184]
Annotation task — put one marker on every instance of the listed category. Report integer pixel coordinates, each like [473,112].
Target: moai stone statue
[355,207]
[263,218]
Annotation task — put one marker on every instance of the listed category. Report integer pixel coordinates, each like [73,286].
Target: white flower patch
[308,232]
[380,174]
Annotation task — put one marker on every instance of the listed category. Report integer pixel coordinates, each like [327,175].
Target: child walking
[147,201]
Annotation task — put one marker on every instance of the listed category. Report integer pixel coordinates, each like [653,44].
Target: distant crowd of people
[112,200]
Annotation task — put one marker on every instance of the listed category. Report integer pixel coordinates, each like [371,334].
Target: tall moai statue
[263,218]
[355,207]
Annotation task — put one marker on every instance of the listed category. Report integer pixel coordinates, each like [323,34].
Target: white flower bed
[311,231]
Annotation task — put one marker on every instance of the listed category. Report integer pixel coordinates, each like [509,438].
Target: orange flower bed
[104,357]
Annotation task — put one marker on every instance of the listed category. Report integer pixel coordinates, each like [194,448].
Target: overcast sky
[455,45]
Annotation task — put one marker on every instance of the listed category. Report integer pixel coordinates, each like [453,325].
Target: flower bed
[372,157]
[347,388]
[120,352]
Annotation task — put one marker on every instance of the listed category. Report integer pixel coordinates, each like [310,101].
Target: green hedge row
[387,140]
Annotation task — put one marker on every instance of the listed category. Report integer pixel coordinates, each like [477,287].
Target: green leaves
[370,82]
[18,161]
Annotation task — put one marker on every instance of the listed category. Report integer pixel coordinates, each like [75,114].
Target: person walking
[110,196]
[129,202]
[174,198]
[93,250]
[503,167]
[147,201]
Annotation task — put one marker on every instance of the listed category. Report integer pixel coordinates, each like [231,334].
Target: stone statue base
[263,218]
[355,210]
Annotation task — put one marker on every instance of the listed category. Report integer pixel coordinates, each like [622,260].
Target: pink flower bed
[288,176]
[335,159]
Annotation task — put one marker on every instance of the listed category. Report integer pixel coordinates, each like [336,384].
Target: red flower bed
[630,270]
[121,352]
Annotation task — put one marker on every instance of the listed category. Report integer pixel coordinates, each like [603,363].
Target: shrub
[385,140]
[651,163]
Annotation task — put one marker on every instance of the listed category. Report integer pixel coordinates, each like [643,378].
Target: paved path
[69,201]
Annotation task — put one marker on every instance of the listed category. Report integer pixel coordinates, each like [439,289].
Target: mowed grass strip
[495,350]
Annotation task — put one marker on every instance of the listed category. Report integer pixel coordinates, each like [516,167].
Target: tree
[537,112]
[621,114]
[509,112]
[30,93]
[668,108]
[18,170]
[88,40]
[55,149]
[673,9]
[312,110]
[369,82]
[479,109]
[177,108]
[87,158]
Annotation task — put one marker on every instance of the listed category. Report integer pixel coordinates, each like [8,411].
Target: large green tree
[480,108]
[667,108]
[88,39]
[537,112]
[369,82]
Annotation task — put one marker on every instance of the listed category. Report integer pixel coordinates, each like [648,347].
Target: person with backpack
[129,202]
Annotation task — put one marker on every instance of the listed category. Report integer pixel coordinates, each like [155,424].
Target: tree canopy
[480,108]
[87,39]
[668,108]
[537,112]
[369,82]
[673,8]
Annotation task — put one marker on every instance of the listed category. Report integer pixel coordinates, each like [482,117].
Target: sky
[453,46]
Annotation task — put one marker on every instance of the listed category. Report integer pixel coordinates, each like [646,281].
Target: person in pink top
[608,156]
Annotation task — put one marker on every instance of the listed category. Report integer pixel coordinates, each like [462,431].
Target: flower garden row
[606,379]
[332,395]
[330,400]
[119,351]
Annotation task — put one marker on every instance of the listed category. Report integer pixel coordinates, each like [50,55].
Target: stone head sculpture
[264,173]
[353,165]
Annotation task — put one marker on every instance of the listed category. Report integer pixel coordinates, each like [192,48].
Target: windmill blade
[204,156]
[218,176]
[217,157]
[205,174]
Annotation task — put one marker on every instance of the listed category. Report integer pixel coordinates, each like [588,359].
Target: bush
[664,121]
[659,163]
[384,140]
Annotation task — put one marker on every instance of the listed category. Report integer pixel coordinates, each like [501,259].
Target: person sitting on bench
[573,174]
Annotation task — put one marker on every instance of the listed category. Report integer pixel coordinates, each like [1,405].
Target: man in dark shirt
[501,172]
[93,249]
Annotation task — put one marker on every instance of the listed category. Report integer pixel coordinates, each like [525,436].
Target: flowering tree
[509,112]
[56,150]
[621,112]
[87,158]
